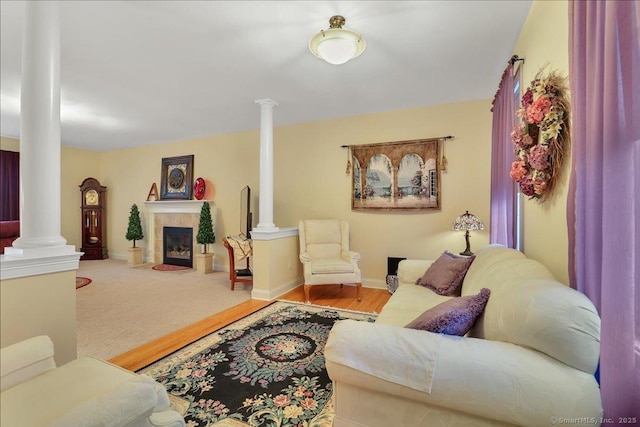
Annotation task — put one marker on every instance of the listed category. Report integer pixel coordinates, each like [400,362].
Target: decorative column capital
[266,102]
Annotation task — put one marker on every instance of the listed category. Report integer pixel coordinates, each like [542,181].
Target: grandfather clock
[94,220]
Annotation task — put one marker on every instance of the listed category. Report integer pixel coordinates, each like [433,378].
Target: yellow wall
[544,41]
[9,144]
[310,180]
[40,305]
[276,263]
[227,162]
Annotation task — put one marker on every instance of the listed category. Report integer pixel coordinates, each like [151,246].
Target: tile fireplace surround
[172,213]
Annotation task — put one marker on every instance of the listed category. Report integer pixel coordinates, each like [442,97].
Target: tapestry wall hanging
[542,137]
[176,178]
[396,175]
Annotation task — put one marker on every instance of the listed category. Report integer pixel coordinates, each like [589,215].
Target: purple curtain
[9,185]
[603,214]
[503,201]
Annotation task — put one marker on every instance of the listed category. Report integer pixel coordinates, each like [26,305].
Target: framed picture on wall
[176,178]
[396,175]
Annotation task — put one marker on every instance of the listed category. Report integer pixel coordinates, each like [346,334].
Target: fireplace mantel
[176,213]
[175,206]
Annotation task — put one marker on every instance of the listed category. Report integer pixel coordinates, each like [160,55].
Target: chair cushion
[322,231]
[324,250]
[330,266]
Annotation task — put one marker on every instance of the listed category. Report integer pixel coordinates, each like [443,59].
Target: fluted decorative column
[40,144]
[40,128]
[38,271]
[276,268]
[265,223]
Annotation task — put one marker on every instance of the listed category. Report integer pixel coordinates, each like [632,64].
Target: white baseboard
[271,294]
[374,283]
[280,290]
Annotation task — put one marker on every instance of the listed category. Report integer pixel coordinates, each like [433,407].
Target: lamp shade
[337,45]
[466,222]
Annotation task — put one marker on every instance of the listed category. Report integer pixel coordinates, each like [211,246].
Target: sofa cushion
[9,231]
[546,316]
[407,303]
[446,274]
[528,307]
[453,317]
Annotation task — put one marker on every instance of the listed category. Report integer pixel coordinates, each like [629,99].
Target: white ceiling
[144,72]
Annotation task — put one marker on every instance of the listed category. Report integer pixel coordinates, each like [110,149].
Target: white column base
[39,252]
[261,228]
[39,242]
[35,261]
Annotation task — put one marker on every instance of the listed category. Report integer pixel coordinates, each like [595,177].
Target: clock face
[91,197]
[176,182]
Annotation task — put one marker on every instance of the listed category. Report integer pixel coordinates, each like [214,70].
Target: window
[519,223]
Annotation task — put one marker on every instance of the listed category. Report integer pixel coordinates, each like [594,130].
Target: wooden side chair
[242,275]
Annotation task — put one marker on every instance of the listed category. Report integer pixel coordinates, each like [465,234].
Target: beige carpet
[125,307]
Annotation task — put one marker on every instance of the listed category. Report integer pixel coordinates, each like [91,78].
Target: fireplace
[177,246]
[171,213]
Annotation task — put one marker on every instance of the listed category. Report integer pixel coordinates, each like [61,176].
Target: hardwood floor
[329,295]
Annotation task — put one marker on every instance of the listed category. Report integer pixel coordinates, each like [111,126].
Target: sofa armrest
[410,270]
[376,350]
[24,360]
[484,378]
[167,418]
[141,401]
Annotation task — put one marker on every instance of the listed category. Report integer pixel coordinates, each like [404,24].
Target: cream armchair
[325,255]
[85,392]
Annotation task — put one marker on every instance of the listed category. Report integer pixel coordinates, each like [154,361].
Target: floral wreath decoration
[542,137]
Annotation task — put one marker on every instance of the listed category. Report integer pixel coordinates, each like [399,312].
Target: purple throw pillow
[452,317]
[446,274]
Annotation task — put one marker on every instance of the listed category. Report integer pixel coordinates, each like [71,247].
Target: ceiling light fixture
[337,45]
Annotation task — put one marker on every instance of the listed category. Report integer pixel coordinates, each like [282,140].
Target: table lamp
[466,222]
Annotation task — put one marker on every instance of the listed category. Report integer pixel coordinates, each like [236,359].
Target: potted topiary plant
[134,232]
[205,236]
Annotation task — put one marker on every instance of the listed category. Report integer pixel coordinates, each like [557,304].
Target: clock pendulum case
[94,220]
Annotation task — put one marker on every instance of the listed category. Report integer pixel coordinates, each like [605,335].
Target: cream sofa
[528,360]
[86,392]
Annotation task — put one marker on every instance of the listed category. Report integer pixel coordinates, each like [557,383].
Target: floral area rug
[267,369]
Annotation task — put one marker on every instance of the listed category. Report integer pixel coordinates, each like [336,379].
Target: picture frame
[176,179]
[398,175]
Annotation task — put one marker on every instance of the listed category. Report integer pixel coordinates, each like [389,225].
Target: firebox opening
[177,246]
